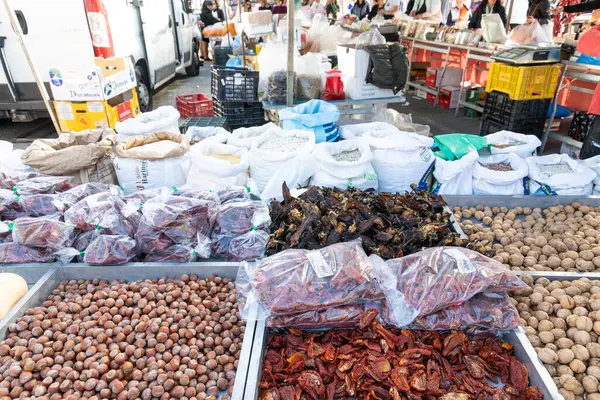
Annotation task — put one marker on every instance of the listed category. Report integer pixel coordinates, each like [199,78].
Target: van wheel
[194,68]
[143,89]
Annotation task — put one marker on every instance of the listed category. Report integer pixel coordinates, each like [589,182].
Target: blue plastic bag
[315,115]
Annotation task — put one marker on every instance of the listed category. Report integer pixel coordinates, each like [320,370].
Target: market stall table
[570,71]
[475,54]
[347,106]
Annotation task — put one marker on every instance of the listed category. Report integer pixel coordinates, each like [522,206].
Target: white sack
[455,177]
[10,162]
[511,183]
[197,134]
[401,160]
[352,131]
[344,174]
[593,163]
[210,173]
[401,121]
[270,169]
[163,119]
[136,175]
[529,143]
[576,183]
[243,137]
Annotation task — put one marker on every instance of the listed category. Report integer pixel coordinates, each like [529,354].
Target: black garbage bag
[388,66]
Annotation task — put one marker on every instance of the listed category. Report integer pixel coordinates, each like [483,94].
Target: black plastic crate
[221,55]
[240,114]
[234,84]
[204,122]
[500,108]
[533,127]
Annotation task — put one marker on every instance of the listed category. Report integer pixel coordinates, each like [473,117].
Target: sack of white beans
[282,156]
[344,165]
[559,174]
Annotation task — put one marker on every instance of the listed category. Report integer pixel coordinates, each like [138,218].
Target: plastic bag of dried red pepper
[342,317]
[42,185]
[47,232]
[13,253]
[101,210]
[432,280]
[295,281]
[484,311]
[110,250]
[168,220]
[181,253]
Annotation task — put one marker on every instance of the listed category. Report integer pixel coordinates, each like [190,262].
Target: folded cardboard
[100,80]
[77,116]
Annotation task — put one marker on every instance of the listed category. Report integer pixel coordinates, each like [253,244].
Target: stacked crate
[235,96]
[518,98]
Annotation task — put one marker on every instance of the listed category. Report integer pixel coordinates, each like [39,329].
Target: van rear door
[56,33]
[157,24]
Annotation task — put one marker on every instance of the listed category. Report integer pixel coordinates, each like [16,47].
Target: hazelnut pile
[153,339]
[558,238]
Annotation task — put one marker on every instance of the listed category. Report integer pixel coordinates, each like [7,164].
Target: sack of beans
[216,165]
[559,174]
[500,174]
[282,156]
[243,137]
[504,142]
[454,176]
[401,160]
[594,164]
[344,165]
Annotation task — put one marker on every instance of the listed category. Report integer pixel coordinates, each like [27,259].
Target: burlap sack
[86,155]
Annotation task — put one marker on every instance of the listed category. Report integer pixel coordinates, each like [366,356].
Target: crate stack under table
[235,96]
[518,98]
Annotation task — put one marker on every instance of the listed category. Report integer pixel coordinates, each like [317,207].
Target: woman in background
[487,7]
[360,9]
[209,15]
[247,6]
[429,10]
[459,13]
[280,8]
[264,6]
[332,8]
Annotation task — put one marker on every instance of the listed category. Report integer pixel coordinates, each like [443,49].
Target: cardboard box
[420,93]
[357,89]
[77,116]
[102,80]
[452,77]
[353,62]
[257,18]
[448,97]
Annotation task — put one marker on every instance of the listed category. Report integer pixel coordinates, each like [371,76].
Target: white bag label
[319,265]
[465,266]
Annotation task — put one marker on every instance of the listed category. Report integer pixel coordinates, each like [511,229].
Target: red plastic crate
[194,105]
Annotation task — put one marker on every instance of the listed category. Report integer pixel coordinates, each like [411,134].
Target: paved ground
[440,120]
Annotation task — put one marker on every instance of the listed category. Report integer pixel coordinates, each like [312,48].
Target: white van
[158,35]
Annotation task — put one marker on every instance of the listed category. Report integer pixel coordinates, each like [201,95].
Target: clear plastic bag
[110,250]
[432,280]
[277,87]
[9,180]
[43,185]
[484,311]
[295,281]
[246,247]
[369,38]
[80,192]
[14,253]
[233,193]
[181,253]
[239,217]
[101,210]
[342,317]
[47,232]
[168,220]
[39,205]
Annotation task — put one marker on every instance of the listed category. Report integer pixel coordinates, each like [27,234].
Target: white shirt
[434,10]
[318,8]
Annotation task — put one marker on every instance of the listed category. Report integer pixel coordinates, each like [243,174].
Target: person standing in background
[390,7]
[377,9]
[459,14]
[429,10]
[264,6]
[487,7]
[539,10]
[318,8]
[280,8]
[332,8]
[360,9]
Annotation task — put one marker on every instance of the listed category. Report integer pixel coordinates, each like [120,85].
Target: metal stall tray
[49,276]
[519,201]
[524,351]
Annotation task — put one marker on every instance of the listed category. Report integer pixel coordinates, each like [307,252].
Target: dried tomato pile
[379,364]
[389,225]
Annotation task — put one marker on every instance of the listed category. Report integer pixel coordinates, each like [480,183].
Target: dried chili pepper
[342,364]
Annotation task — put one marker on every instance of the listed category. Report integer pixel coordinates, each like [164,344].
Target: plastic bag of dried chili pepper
[295,281]
[101,210]
[180,253]
[342,317]
[484,311]
[110,250]
[43,185]
[13,253]
[432,280]
[47,232]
